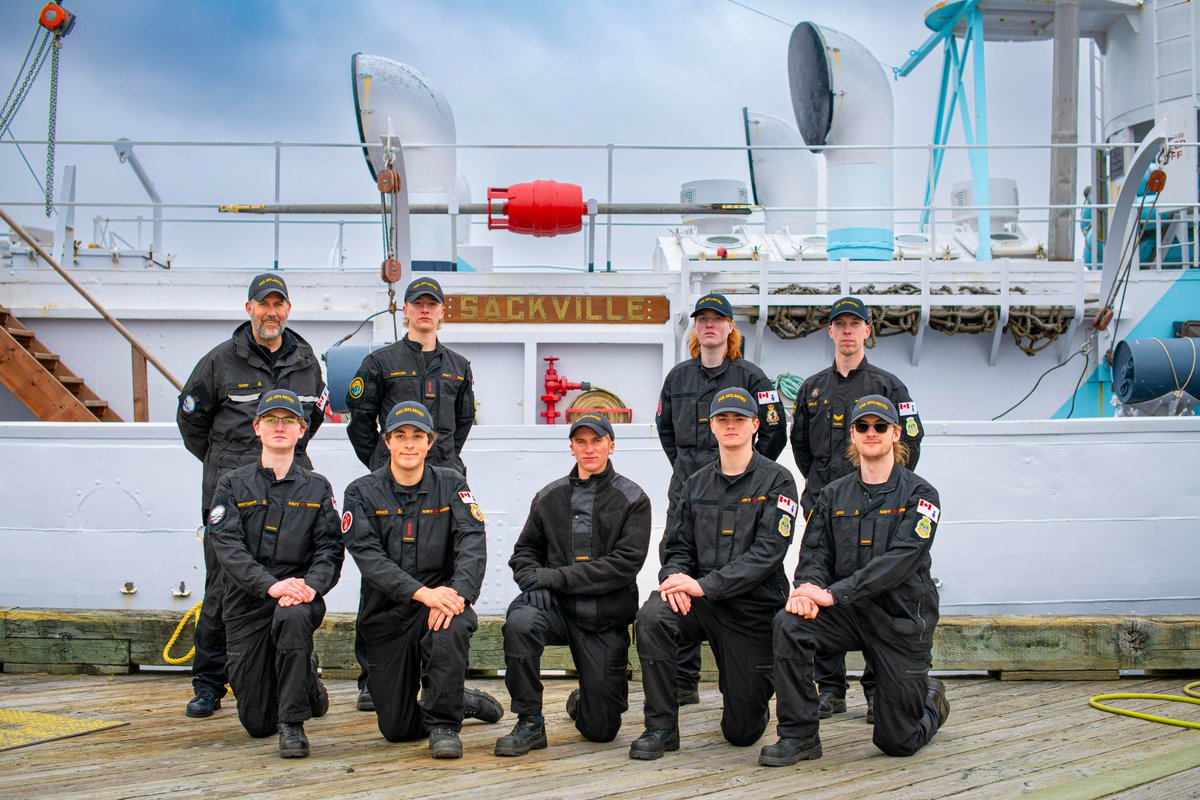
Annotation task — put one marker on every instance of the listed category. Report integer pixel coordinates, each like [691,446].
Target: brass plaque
[571,309]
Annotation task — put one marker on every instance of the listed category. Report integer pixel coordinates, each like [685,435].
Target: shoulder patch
[347,521]
[216,515]
[188,405]
[787,504]
[906,409]
[476,512]
[910,427]
[928,509]
[785,526]
[324,400]
[768,397]
[924,529]
[357,387]
[467,498]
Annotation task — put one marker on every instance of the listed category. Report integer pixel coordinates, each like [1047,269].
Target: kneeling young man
[417,535]
[722,581]
[576,563]
[863,584]
[274,530]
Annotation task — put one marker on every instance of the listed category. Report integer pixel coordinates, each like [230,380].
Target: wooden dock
[1004,739]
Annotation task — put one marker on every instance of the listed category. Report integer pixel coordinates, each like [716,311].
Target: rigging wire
[1087,346]
[761,13]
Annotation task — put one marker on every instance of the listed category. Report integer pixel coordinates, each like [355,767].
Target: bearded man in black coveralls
[274,528]
[722,580]
[819,444]
[863,583]
[216,408]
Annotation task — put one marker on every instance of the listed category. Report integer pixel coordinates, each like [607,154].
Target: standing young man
[819,441]
[721,580]
[863,583]
[417,536]
[715,345]
[216,408]
[416,369]
[576,563]
[274,528]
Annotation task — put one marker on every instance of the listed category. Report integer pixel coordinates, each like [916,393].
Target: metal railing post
[278,151]
[608,218]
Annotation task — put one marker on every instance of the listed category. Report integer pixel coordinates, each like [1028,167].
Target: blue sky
[546,72]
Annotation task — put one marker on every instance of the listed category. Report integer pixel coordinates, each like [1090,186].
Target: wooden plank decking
[1003,739]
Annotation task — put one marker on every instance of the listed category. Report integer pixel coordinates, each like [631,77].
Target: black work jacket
[439,379]
[264,530]
[585,540]
[731,533]
[869,546]
[687,395]
[821,427]
[404,538]
[220,398]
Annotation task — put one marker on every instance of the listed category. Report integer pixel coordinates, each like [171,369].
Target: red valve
[541,208]
[557,387]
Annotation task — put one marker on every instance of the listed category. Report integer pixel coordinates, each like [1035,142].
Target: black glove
[529,582]
[539,599]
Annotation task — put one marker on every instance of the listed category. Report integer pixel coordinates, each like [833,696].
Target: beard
[263,333]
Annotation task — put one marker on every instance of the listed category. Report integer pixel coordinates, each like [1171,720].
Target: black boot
[481,706]
[831,705]
[653,743]
[687,697]
[935,698]
[573,704]
[787,751]
[203,704]
[292,741]
[318,695]
[444,743]
[529,734]
[364,702]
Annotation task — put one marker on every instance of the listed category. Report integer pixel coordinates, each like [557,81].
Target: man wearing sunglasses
[819,439]
[274,529]
[863,583]
[216,407]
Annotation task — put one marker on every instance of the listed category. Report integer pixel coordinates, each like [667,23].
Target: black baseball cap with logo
[265,284]
[714,301]
[422,286]
[849,305]
[414,414]
[878,405]
[280,400]
[735,399]
[597,422]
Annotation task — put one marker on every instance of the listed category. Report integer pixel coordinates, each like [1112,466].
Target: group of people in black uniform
[275,540]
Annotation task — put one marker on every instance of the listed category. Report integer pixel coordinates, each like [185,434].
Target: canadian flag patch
[768,397]
[907,410]
[928,509]
[467,498]
[324,401]
[787,504]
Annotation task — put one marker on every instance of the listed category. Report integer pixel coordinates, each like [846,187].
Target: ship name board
[608,309]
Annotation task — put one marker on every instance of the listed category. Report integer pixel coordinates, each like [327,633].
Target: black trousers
[687,675]
[742,648]
[829,671]
[396,663]
[209,663]
[601,658]
[271,665]
[904,722]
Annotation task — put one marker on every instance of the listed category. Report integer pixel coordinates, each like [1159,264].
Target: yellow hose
[193,611]
[602,399]
[1189,690]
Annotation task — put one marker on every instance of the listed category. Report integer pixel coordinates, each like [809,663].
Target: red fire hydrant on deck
[557,387]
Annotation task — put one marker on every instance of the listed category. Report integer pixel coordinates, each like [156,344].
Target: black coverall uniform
[731,533]
[403,538]
[440,379]
[687,439]
[263,531]
[216,409]
[869,546]
[820,435]
[584,540]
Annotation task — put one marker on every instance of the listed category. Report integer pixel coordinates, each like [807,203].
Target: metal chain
[53,125]
[9,110]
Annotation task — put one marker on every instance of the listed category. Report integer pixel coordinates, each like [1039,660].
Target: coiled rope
[1098,702]
[194,611]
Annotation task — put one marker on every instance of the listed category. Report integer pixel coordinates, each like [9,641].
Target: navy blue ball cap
[422,286]
[413,414]
[265,284]
[878,405]
[714,301]
[280,400]
[597,422]
[735,399]
[849,305]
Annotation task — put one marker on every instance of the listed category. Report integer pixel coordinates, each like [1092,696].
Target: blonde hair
[733,345]
[899,450]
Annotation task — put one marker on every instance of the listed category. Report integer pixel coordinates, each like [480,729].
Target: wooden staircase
[42,382]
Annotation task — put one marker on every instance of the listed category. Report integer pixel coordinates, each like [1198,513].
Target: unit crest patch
[347,521]
[910,427]
[772,415]
[357,387]
[216,515]
[924,528]
[189,404]
[476,512]
[785,526]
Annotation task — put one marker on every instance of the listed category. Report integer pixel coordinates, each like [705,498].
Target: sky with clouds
[661,72]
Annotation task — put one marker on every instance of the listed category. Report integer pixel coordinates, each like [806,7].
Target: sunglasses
[286,421]
[880,427]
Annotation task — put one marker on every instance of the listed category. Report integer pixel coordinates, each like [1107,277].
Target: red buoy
[541,208]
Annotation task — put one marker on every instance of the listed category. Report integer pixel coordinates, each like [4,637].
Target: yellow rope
[193,611]
[1189,690]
